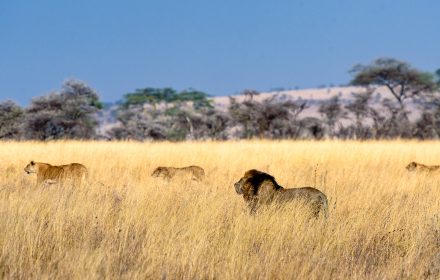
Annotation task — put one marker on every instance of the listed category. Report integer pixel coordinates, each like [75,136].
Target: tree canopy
[11,117]
[65,114]
[154,96]
[402,80]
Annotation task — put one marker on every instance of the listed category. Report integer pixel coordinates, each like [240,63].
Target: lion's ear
[32,162]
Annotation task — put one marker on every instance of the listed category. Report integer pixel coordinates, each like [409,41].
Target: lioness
[47,173]
[414,166]
[261,188]
[195,172]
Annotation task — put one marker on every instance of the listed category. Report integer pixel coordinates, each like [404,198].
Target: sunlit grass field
[383,221]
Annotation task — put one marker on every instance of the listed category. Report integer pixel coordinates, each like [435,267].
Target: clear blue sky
[220,47]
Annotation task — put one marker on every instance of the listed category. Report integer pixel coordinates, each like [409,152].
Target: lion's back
[75,170]
[433,168]
[195,172]
[426,168]
[310,195]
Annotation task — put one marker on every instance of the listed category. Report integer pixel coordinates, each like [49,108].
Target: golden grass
[384,222]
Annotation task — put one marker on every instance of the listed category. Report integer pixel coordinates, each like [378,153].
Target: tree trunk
[191,128]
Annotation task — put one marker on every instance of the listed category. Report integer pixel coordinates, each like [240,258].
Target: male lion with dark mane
[51,174]
[196,173]
[414,166]
[261,188]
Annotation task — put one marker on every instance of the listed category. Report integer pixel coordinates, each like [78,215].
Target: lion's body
[193,172]
[47,173]
[418,167]
[309,195]
[261,188]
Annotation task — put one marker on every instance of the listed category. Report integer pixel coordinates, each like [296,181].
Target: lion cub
[196,173]
[418,167]
[50,174]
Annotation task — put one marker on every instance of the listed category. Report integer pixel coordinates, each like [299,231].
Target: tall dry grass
[383,224]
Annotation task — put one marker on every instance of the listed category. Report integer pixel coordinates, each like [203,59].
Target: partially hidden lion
[50,174]
[196,173]
[260,188]
[414,166]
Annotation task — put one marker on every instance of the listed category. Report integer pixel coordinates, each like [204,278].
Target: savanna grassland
[383,223]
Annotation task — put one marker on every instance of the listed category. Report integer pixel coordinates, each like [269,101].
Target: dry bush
[383,221]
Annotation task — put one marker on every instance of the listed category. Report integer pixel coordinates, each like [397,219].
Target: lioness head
[412,166]
[31,168]
[161,172]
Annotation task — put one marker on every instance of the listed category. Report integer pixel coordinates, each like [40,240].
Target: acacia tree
[402,80]
[65,114]
[250,93]
[216,124]
[311,127]
[156,96]
[11,118]
[271,118]
[187,123]
[139,123]
[390,121]
[332,111]
[152,96]
[427,126]
[198,99]
[360,108]
[164,113]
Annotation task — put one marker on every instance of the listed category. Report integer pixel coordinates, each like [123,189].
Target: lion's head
[411,166]
[239,186]
[256,183]
[31,168]
[162,172]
